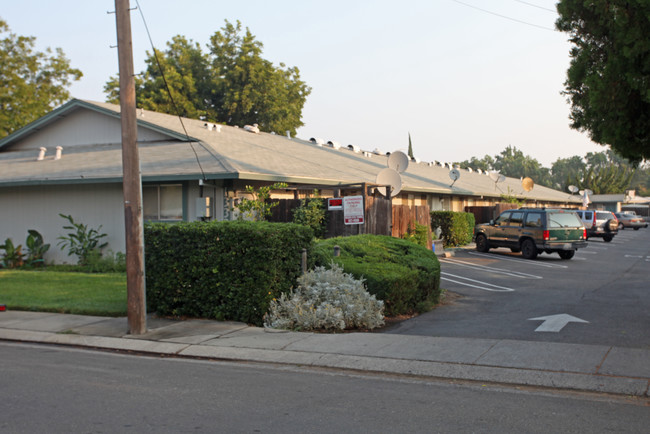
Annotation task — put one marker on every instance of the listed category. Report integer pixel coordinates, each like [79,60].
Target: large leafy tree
[564,170]
[32,83]
[604,173]
[231,83]
[608,81]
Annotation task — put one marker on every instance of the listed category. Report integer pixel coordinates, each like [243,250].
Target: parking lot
[601,296]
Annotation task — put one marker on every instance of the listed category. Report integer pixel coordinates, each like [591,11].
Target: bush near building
[457,227]
[226,270]
[404,275]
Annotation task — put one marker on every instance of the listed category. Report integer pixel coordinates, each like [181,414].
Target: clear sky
[464,78]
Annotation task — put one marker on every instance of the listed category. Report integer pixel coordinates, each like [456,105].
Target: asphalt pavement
[592,368]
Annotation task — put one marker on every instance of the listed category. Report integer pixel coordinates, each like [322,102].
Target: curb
[573,381]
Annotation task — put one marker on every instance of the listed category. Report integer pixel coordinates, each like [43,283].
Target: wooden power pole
[132,185]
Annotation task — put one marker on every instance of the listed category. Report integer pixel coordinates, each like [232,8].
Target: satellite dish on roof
[527,183]
[398,161]
[494,176]
[454,174]
[391,178]
[588,192]
[573,189]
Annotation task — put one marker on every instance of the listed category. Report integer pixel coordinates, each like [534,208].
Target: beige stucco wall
[38,207]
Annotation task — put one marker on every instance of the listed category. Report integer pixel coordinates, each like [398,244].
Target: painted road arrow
[555,323]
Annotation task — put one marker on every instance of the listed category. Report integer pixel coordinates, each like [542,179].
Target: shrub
[326,299]
[259,208]
[404,275]
[36,248]
[83,241]
[13,257]
[311,212]
[457,227]
[227,270]
[417,233]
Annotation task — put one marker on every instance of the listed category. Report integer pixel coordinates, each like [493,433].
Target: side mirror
[491,222]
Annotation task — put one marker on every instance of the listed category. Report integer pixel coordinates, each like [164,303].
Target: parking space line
[491,269]
[494,289]
[521,261]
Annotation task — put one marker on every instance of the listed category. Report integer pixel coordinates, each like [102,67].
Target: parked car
[532,231]
[599,224]
[629,220]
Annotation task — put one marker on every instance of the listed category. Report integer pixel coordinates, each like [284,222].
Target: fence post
[337,251]
[303,261]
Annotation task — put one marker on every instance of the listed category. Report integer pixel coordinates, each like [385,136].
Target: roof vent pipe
[59,149]
[288,134]
[41,154]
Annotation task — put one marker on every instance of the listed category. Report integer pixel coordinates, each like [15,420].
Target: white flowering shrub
[326,300]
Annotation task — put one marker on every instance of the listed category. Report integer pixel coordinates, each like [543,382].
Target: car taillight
[547,235]
[584,233]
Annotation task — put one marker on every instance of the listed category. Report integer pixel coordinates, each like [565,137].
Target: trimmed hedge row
[457,227]
[227,270]
[406,276]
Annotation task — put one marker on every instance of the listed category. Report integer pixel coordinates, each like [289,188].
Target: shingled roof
[171,149]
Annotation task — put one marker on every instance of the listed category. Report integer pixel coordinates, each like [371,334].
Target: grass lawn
[102,294]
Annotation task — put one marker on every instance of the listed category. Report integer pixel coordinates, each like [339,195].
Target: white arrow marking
[555,323]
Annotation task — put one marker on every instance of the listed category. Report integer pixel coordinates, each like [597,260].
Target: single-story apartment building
[70,162]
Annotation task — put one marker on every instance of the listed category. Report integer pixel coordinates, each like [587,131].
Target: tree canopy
[31,83]
[608,80]
[231,83]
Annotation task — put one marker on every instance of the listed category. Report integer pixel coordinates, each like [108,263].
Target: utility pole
[131,184]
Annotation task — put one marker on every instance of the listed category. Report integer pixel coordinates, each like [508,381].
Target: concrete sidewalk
[594,368]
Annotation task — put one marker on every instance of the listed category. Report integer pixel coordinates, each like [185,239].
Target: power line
[171,98]
[503,16]
[537,6]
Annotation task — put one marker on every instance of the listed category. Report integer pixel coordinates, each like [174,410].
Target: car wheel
[567,254]
[607,238]
[528,249]
[482,244]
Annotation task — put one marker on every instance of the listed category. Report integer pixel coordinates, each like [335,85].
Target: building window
[162,202]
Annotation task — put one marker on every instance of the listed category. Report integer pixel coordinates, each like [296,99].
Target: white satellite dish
[494,176]
[588,192]
[392,178]
[573,189]
[454,174]
[398,161]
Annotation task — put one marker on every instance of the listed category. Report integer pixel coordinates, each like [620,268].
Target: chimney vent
[41,154]
[59,149]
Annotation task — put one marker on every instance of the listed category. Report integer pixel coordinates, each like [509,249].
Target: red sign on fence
[334,203]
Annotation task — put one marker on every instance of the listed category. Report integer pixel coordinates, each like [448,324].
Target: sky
[464,78]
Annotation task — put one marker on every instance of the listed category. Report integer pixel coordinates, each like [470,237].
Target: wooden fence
[381,218]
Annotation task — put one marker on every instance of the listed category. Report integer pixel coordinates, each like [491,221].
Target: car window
[534,220]
[503,219]
[603,215]
[563,220]
[516,219]
[588,215]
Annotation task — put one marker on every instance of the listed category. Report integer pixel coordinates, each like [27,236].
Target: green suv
[532,231]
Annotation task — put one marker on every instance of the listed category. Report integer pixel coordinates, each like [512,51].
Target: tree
[513,163]
[31,83]
[410,148]
[604,173]
[564,169]
[608,80]
[231,84]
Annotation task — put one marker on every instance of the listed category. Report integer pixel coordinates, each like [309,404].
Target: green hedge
[227,270]
[457,227]
[406,276]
